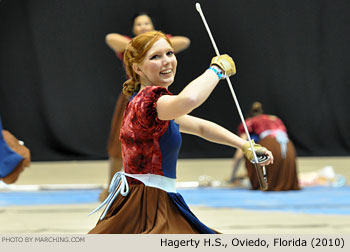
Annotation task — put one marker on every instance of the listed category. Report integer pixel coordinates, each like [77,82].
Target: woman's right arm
[196,92]
[117,42]
[192,96]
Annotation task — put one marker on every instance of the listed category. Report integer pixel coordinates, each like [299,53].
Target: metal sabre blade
[261,174]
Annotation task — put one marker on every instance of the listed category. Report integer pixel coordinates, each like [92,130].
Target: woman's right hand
[225,63]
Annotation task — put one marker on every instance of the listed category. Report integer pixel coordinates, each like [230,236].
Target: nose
[166,60]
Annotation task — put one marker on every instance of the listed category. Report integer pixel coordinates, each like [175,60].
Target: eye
[155,57]
[170,53]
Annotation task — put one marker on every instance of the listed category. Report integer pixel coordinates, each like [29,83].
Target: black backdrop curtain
[59,81]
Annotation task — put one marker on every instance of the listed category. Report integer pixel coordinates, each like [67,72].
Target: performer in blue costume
[14,156]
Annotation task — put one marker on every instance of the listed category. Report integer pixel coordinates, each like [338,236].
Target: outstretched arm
[217,134]
[197,91]
[180,43]
[209,131]
[193,95]
[117,42]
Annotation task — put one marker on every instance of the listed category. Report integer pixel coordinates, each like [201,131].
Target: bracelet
[218,72]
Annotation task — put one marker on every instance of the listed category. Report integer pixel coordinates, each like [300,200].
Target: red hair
[135,53]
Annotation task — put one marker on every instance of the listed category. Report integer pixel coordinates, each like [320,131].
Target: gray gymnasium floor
[71,218]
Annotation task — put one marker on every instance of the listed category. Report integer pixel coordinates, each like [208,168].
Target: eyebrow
[158,51]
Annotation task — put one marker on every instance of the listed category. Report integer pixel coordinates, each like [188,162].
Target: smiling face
[142,24]
[159,66]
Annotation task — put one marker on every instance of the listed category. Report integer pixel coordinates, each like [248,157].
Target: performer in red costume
[269,131]
[142,22]
[143,199]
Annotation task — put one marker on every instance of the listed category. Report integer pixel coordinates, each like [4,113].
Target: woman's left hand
[259,151]
[269,160]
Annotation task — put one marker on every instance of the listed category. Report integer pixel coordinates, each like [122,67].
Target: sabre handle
[261,170]
[260,159]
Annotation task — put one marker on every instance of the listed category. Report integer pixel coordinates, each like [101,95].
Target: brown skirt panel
[23,151]
[145,210]
[282,174]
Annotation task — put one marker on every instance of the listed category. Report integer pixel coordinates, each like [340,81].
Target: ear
[137,68]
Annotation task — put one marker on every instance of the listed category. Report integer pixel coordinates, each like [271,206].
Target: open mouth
[166,72]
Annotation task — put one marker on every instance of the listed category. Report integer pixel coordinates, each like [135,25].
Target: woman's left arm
[218,134]
[209,131]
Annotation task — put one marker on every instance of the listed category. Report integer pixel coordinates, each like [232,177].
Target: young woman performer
[14,157]
[144,198]
[142,22]
[270,132]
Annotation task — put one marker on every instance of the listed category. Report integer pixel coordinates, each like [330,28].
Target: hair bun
[256,109]
[130,87]
[256,106]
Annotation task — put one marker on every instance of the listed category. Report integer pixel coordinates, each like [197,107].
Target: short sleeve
[146,108]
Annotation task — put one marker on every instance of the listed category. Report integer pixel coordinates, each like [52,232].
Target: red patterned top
[261,123]
[140,132]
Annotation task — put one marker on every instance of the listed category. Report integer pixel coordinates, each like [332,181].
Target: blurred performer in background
[142,22]
[14,156]
[270,132]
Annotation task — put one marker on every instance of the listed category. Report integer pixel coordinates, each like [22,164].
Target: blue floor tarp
[312,200]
